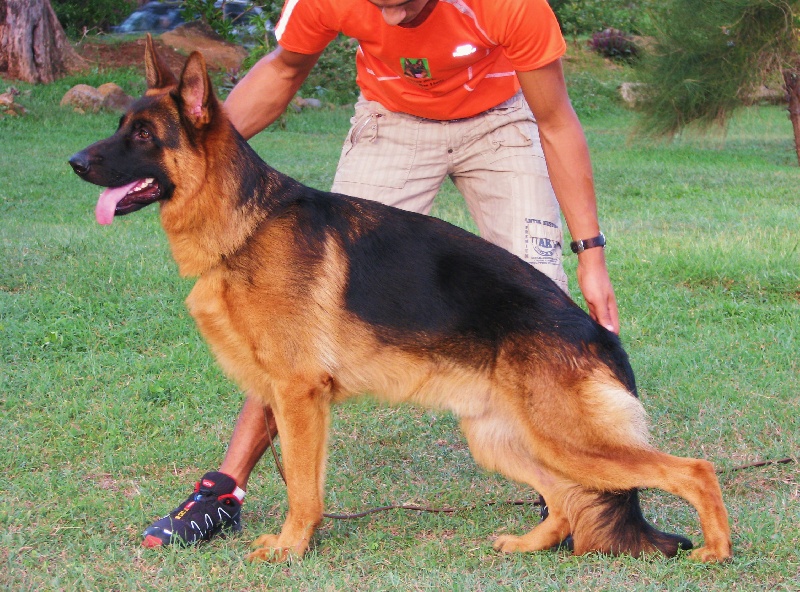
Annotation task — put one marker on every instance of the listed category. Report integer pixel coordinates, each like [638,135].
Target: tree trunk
[791,79]
[33,45]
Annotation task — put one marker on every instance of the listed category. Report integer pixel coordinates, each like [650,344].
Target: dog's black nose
[79,163]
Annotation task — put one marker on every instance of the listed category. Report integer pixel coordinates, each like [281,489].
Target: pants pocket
[379,149]
[542,243]
[512,132]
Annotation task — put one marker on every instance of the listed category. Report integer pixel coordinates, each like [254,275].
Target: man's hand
[596,288]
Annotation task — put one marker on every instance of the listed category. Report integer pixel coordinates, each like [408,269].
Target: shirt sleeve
[527,30]
[306,26]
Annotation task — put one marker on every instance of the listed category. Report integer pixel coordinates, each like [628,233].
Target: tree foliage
[584,17]
[77,15]
[709,57]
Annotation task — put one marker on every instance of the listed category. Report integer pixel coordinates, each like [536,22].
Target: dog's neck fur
[217,216]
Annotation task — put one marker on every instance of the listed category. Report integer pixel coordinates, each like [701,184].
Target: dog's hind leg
[692,479]
[302,412]
[608,517]
[602,445]
[612,522]
[496,446]
[588,464]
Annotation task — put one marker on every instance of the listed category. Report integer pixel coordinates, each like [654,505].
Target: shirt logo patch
[464,50]
[416,68]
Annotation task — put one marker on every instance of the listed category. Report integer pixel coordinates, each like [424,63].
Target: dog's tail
[612,522]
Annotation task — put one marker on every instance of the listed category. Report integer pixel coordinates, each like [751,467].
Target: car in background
[153,17]
[160,17]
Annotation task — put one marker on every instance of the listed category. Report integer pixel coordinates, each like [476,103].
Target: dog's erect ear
[195,90]
[157,72]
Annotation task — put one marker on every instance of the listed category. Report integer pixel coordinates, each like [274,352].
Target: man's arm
[570,168]
[263,94]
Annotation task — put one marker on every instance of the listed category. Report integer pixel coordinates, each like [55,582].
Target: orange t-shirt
[461,60]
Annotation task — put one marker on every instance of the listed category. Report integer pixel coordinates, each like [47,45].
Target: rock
[83,98]
[296,104]
[631,92]
[114,98]
[772,96]
[299,103]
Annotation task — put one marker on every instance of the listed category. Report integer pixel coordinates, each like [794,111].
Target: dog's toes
[268,554]
[537,540]
[265,548]
[265,540]
[268,547]
[509,544]
[709,555]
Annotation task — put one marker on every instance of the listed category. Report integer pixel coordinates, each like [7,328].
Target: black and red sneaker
[214,506]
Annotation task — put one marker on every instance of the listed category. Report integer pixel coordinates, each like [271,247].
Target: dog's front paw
[267,547]
[708,555]
[510,544]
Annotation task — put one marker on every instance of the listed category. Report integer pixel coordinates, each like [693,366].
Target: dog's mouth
[118,201]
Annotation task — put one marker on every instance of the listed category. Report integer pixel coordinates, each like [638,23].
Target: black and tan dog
[308,298]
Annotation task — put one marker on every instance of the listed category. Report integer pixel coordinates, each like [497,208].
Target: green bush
[77,15]
[583,17]
[614,44]
[710,57]
[213,16]
[333,78]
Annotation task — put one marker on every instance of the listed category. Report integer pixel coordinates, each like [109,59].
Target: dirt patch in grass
[124,54]
[174,47]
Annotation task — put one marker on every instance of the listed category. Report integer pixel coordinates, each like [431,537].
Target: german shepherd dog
[308,298]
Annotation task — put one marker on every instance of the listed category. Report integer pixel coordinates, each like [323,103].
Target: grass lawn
[112,405]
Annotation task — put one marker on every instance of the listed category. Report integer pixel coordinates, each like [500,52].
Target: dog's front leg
[302,412]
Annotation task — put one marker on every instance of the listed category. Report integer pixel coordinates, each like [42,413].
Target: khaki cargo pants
[495,160]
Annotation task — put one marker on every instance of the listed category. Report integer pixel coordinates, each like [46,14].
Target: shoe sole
[151,542]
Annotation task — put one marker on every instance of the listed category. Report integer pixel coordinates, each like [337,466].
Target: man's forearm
[564,146]
[263,94]
[570,170]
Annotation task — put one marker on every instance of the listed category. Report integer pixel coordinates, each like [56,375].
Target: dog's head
[138,163]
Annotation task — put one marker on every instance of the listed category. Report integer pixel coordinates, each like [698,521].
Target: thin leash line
[537,502]
[762,463]
[408,507]
[413,508]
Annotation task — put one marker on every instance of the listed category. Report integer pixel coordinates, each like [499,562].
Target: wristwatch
[581,245]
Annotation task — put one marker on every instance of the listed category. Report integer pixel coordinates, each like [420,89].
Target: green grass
[112,405]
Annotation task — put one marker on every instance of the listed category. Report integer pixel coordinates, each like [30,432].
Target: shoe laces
[204,494]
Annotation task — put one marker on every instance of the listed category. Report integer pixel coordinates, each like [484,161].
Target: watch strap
[580,246]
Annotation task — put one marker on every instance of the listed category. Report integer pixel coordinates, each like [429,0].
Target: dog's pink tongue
[104,211]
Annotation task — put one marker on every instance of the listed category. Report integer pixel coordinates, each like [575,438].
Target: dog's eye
[143,134]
